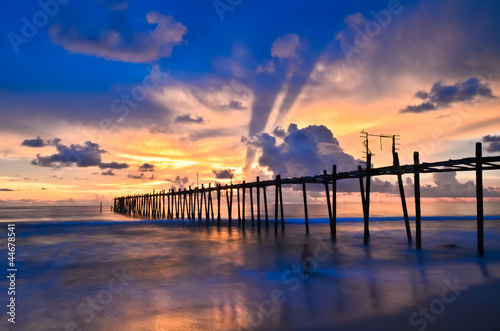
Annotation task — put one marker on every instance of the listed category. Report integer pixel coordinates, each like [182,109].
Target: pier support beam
[306,216]
[333,225]
[402,195]
[479,200]
[418,212]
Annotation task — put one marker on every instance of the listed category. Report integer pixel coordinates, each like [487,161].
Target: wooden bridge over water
[192,203]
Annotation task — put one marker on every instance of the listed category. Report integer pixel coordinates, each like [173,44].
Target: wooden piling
[416,179]
[218,204]
[100,208]
[366,234]
[333,226]
[258,203]
[367,198]
[265,206]
[276,205]
[306,216]
[278,178]
[402,195]
[328,202]
[239,208]
[251,206]
[243,217]
[479,200]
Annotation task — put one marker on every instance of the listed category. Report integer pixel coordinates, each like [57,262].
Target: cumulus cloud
[123,44]
[223,173]
[267,67]
[87,155]
[493,143]
[178,180]
[234,105]
[442,96]
[446,184]
[108,173]
[141,176]
[285,47]
[304,152]
[38,142]
[188,119]
[113,165]
[146,167]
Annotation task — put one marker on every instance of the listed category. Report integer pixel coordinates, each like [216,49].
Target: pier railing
[197,202]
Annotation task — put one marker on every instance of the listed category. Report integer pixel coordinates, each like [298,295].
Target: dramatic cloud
[113,165]
[146,167]
[87,155]
[442,96]
[493,143]
[285,47]
[188,119]
[38,142]
[223,173]
[123,43]
[108,173]
[304,152]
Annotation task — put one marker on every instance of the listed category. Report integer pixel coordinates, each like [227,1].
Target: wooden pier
[191,203]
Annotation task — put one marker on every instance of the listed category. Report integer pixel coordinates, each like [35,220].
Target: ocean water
[78,269]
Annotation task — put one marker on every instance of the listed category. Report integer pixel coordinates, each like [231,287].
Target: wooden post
[258,203]
[100,208]
[218,204]
[334,202]
[367,198]
[281,205]
[243,218]
[328,202]
[304,194]
[229,204]
[418,212]
[251,205]
[402,195]
[276,204]
[239,209]
[265,207]
[363,201]
[479,200]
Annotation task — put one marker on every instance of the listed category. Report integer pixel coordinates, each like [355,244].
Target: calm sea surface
[78,269]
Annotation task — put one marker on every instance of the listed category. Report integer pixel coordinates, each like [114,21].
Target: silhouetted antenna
[366,142]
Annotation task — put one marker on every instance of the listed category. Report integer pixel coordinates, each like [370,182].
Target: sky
[103,98]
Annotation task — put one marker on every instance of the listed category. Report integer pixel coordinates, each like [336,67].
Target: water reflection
[187,276]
